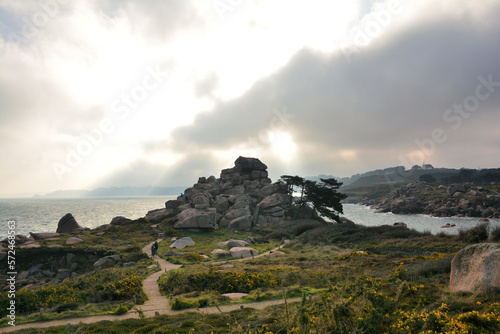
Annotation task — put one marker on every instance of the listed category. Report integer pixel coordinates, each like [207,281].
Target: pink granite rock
[476,266]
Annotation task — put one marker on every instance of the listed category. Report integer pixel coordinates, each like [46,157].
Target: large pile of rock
[456,200]
[242,197]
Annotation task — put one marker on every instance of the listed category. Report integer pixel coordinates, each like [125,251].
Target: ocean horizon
[43,214]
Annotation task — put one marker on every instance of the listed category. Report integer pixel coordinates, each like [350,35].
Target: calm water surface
[364,215]
[42,215]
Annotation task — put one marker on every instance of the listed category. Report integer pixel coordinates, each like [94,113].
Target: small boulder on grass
[235,295]
[182,242]
[239,252]
[232,243]
[73,240]
[220,252]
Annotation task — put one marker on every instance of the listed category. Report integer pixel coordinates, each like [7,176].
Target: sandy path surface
[156,303]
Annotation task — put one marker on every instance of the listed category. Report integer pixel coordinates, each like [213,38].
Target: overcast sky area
[159,92]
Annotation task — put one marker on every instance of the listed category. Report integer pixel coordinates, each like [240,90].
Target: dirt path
[156,304]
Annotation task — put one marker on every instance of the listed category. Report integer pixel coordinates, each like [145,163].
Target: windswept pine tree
[322,196]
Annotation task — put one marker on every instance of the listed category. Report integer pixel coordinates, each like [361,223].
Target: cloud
[393,93]
[155,20]
[183,173]
[269,79]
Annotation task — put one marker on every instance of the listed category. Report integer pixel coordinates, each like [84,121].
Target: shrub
[121,310]
[193,257]
[231,281]
[279,235]
[397,273]
[495,234]
[65,307]
[352,233]
[203,302]
[181,304]
[441,266]
[171,232]
[306,226]
[475,234]
[97,286]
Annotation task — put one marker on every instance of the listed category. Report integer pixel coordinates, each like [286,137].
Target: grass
[84,310]
[370,280]
[495,234]
[474,234]
[205,243]
[213,298]
[94,292]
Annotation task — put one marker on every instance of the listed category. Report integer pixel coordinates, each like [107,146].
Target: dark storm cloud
[392,93]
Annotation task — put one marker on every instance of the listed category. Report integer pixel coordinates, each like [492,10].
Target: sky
[135,93]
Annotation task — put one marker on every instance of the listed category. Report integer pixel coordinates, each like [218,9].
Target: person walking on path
[153,250]
[155,245]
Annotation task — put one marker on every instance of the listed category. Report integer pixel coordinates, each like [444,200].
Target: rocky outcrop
[241,223]
[220,252]
[232,243]
[173,204]
[67,224]
[182,243]
[104,262]
[242,197]
[120,221]
[156,214]
[73,240]
[241,252]
[476,267]
[42,236]
[456,200]
[204,219]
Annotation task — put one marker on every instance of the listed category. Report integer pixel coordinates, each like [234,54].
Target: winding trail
[156,303]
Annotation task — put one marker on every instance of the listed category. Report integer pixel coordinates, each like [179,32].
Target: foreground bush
[178,282]
[495,234]
[97,286]
[475,234]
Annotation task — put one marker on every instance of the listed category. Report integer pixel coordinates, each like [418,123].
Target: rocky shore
[243,196]
[457,200]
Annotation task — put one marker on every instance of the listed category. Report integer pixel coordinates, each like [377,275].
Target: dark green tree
[427,178]
[322,196]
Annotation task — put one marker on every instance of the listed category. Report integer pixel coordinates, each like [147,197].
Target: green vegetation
[206,242]
[322,196]
[475,234]
[96,287]
[367,193]
[344,278]
[93,292]
[234,281]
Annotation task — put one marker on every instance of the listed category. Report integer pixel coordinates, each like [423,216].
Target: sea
[43,214]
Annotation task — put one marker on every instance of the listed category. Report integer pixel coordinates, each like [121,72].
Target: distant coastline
[126,191]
